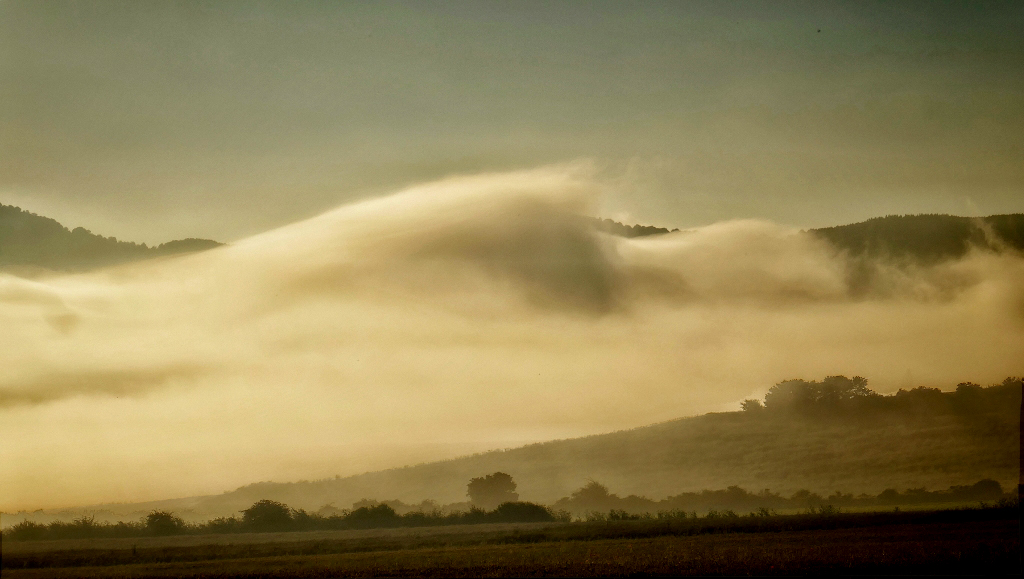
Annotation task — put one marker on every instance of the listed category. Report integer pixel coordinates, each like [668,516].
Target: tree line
[30,240]
[592,502]
[595,499]
[842,395]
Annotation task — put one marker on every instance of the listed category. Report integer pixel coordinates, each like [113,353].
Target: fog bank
[456,316]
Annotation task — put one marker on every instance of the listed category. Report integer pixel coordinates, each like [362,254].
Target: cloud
[469,313]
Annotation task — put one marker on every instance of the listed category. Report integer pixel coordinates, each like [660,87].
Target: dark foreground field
[983,541]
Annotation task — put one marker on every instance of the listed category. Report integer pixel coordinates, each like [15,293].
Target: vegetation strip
[127,551]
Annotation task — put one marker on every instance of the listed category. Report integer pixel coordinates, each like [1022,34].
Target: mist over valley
[491,311]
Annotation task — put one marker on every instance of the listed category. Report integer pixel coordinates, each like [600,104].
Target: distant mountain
[926,238]
[32,241]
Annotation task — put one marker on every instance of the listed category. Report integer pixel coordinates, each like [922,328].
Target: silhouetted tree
[522,513]
[832,392]
[267,515]
[164,523]
[489,491]
[380,515]
[752,405]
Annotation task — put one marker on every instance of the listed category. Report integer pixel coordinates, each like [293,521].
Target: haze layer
[455,316]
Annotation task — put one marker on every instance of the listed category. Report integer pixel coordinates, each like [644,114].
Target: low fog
[452,317]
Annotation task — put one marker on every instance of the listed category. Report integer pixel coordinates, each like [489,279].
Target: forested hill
[902,238]
[926,238]
[30,240]
[623,230]
[829,435]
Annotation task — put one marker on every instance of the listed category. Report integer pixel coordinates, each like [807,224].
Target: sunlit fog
[449,317]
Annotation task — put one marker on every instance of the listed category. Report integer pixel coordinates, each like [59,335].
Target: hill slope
[926,238]
[922,438]
[30,240]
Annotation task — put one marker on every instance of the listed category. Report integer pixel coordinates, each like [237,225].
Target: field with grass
[957,541]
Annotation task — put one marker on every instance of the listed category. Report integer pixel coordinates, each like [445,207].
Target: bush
[164,523]
[26,531]
[267,515]
[381,515]
[517,512]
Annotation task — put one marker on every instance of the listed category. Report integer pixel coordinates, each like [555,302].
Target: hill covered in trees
[824,437]
[28,240]
[31,241]
[926,238]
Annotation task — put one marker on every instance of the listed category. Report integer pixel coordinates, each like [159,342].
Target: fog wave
[465,314]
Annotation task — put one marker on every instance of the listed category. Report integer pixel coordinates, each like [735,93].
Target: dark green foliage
[594,502]
[839,394]
[926,238]
[489,491]
[752,405]
[164,523]
[27,531]
[267,515]
[372,517]
[831,393]
[516,512]
[272,516]
[29,240]
[720,507]
[616,228]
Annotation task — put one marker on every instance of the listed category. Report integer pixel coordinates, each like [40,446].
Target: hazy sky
[159,120]
[440,314]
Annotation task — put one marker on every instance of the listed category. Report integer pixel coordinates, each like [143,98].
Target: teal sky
[152,121]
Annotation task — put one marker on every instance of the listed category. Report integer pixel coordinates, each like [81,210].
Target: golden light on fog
[454,316]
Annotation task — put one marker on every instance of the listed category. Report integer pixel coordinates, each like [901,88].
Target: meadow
[980,540]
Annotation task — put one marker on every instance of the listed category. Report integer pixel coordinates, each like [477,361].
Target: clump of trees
[594,501]
[842,395]
[591,502]
[164,523]
[487,492]
[272,516]
[620,229]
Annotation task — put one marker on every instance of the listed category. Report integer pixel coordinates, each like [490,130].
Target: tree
[267,515]
[752,405]
[592,496]
[164,523]
[790,394]
[832,392]
[489,491]
[380,515]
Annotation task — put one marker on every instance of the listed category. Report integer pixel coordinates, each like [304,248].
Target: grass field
[978,541]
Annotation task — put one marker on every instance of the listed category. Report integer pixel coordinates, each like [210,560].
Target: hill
[864,443]
[28,240]
[926,238]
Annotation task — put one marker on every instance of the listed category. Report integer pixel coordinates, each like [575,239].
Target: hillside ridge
[817,440]
[35,241]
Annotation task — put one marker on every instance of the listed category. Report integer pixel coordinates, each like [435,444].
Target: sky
[410,274]
[158,120]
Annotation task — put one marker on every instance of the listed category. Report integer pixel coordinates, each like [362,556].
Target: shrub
[267,515]
[518,512]
[26,531]
[381,515]
[164,523]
